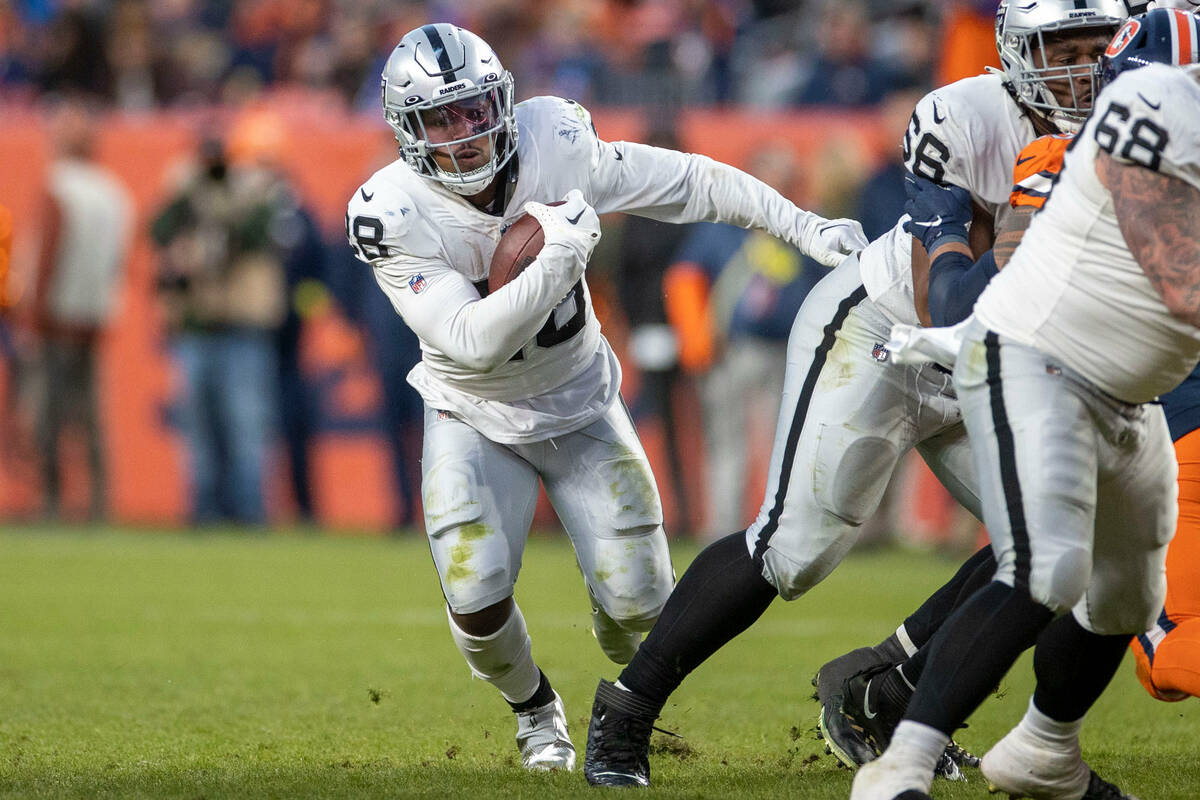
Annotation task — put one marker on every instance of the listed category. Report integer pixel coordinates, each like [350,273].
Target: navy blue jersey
[1182,406]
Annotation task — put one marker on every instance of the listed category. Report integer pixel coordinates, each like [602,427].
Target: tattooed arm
[1011,233]
[1159,217]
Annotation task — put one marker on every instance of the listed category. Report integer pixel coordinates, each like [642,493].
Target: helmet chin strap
[1065,123]
[465,184]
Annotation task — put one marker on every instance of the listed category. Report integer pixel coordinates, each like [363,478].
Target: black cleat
[868,710]
[1100,789]
[865,708]
[954,758]
[843,737]
[618,739]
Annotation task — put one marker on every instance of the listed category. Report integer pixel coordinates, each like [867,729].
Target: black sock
[543,695]
[1073,667]
[720,595]
[895,686]
[976,572]
[972,651]
[891,650]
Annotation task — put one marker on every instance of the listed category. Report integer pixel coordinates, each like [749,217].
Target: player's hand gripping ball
[570,225]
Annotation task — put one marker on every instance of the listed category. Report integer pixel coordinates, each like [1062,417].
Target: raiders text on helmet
[1022,29]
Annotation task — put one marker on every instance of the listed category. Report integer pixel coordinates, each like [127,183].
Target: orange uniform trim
[1036,168]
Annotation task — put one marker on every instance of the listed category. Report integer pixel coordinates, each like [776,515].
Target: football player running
[519,384]
[849,412]
[1096,315]
[1168,654]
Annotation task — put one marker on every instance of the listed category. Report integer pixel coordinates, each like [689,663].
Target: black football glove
[940,212]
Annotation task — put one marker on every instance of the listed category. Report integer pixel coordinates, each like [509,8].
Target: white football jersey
[968,133]
[528,362]
[1072,289]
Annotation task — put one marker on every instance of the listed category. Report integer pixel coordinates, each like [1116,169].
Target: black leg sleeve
[720,595]
[976,572]
[1073,667]
[972,651]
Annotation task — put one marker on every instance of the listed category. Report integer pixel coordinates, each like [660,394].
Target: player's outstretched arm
[685,187]
[1158,217]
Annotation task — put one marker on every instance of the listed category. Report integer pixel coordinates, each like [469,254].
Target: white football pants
[848,414]
[1079,489]
[480,497]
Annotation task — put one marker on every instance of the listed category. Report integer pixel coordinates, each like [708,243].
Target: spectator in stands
[619,52]
[222,285]
[880,201]
[845,72]
[85,237]
[74,59]
[142,75]
[731,296]
[646,250]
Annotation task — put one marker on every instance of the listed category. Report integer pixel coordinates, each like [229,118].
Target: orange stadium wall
[326,156]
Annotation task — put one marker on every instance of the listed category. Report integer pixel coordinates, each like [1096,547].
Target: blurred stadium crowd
[700,355]
[140,55]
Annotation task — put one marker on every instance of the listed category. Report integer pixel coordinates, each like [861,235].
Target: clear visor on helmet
[461,120]
[457,141]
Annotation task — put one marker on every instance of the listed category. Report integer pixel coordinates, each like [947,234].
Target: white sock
[1063,734]
[915,750]
[504,659]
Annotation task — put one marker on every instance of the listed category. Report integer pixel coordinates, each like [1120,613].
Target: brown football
[516,250]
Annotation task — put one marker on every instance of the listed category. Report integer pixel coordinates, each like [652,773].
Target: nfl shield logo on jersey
[880,352]
[417,283]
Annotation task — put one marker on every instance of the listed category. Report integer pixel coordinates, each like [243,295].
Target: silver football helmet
[1022,28]
[443,88]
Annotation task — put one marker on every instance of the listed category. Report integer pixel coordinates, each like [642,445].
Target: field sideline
[137,664]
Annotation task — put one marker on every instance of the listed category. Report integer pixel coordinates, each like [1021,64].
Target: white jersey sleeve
[438,301]
[686,187]
[667,185]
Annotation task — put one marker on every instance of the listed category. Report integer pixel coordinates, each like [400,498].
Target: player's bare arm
[979,241]
[1010,234]
[1158,217]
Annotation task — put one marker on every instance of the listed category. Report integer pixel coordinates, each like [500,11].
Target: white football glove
[570,229]
[830,240]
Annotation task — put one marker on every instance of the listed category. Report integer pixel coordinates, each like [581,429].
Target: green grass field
[137,664]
